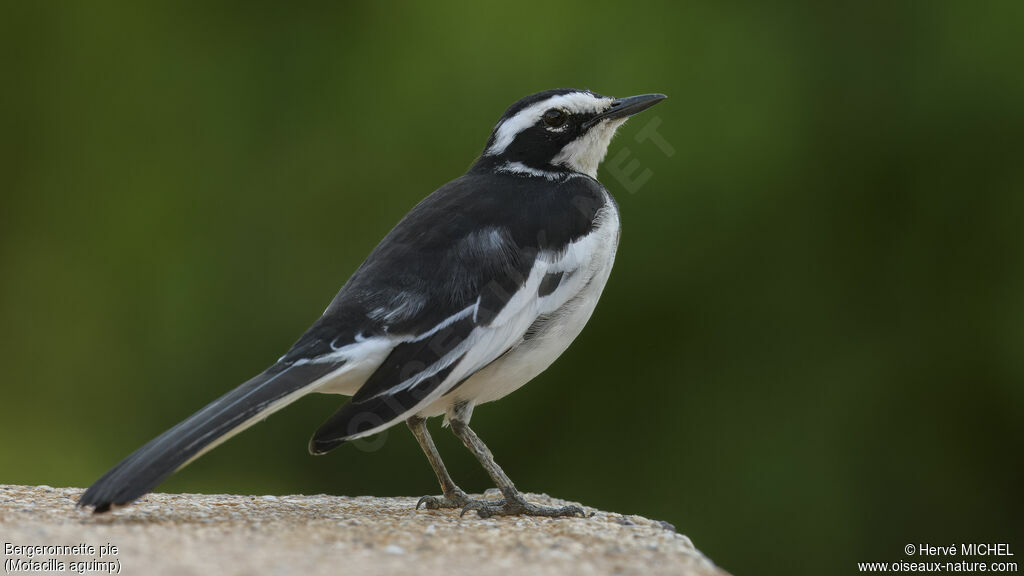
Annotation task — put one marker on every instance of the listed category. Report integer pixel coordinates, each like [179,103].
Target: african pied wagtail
[475,292]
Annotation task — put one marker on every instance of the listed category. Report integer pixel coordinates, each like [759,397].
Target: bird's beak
[625,107]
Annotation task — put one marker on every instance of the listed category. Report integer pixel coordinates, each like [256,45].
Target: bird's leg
[452,496]
[513,503]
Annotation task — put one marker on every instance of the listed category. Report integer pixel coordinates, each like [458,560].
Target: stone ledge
[227,534]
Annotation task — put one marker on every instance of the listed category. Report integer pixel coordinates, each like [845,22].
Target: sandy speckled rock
[224,534]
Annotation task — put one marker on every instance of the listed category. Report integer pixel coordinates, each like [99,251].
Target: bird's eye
[555,117]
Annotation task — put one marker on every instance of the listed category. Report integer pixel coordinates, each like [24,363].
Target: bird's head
[558,131]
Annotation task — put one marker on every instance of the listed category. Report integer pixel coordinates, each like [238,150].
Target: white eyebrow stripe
[574,102]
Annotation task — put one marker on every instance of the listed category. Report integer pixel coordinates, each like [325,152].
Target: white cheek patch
[574,102]
[585,153]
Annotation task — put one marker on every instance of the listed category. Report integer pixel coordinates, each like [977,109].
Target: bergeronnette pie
[476,291]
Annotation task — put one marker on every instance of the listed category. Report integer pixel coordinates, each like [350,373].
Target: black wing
[449,267]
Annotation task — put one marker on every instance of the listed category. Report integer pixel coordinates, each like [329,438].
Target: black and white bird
[476,291]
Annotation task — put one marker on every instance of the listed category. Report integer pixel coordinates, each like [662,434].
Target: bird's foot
[453,499]
[516,505]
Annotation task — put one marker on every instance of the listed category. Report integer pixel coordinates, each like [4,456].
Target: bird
[478,289]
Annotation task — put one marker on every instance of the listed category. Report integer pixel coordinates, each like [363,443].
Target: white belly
[552,335]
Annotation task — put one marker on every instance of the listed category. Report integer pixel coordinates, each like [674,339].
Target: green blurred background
[811,351]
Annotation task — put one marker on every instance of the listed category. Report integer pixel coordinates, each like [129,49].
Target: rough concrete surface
[185,534]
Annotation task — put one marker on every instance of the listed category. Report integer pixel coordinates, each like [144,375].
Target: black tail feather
[148,466]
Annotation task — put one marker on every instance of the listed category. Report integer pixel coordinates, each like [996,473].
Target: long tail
[233,412]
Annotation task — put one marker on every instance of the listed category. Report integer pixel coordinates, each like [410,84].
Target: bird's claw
[481,507]
[520,507]
[453,500]
[446,501]
[431,503]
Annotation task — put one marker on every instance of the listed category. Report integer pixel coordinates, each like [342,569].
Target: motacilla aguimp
[476,291]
